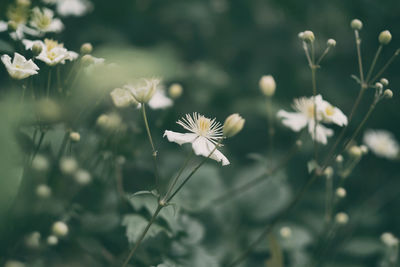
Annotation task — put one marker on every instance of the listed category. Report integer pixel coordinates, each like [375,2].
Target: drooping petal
[321,132]
[160,100]
[6,59]
[203,147]
[293,120]
[180,138]
[122,98]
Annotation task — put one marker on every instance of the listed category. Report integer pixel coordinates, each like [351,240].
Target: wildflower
[204,135]
[19,68]
[233,125]
[385,37]
[382,143]
[43,191]
[42,19]
[175,90]
[59,229]
[71,7]
[305,116]
[144,90]
[160,100]
[267,85]
[52,53]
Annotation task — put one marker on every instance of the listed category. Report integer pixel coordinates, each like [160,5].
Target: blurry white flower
[42,19]
[342,218]
[43,191]
[19,68]
[53,53]
[68,165]
[122,98]
[304,116]
[389,239]
[382,143]
[331,114]
[144,90]
[71,7]
[3,26]
[160,100]
[59,229]
[204,136]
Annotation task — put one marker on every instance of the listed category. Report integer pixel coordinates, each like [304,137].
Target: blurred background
[218,50]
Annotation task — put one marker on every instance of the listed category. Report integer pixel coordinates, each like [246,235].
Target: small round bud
[59,229]
[24,3]
[109,122]
[331,43]
[308,36]
[299,143]
[233,125]
[52,240]
[13,263]
[86,48]
[68,165]
[342,218]
[87,60]
[356,24]
[12,26]
[339,158]
[378,86]
[267,85]
[385,37]
[40,163]
[301,35]
[43,191]
[36,49]
[33,240]
[389,239]
[285,232]
[121,160]
[82,177]
[355,151]
[48,110]
[175,90]
[341,192]
[364,149]
[328,172]
[75,137]
[388,93]
[384,81]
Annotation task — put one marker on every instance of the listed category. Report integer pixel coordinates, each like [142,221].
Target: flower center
[50,44]
[203,125]
[329,111]
[310,110]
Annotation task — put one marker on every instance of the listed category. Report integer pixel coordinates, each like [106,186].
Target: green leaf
[363,246]
[135,225]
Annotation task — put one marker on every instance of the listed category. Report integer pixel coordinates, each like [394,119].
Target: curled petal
[293,120]
[203,147]
[180,138]
[322,133]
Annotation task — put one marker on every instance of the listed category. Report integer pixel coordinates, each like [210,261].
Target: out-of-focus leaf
[135,225]
[201,258]
[363,246]
[194,230]
[6,47]
[100,222]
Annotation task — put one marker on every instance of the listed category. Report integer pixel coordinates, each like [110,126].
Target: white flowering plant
[175,149]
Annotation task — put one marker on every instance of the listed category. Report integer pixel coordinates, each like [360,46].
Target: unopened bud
[308,36]
[378,86]
[389,239]
[267,85]
[36,49]
[356,24]
[339,158]
[59,229]
[285,232]
[342,218]
[331,43]
[52,240]
[384,81]
[233,125]
[355,151]
[87,60]
[68,165]
[12,26]
[75,137]
[82,177]
[43,191]
[388,93]
[385,37]
[40,163]
[341,192]
[86,48]
[175,90]
[328,172]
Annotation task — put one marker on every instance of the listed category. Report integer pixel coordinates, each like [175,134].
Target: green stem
[59,80]
[48,83]
[154,151]
[63,144]
[371,69]
[42,134]
[360,65]
[271,130]
[314,85]
[328,199]
[382,70]
[323,55]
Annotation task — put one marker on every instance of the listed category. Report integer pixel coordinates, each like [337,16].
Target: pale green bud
[384,81]
[356,24]
[342,218]
[267,85]
[52,240]
[388,93]
[341,192]
[233,125]
[175,90]
[355,151]
[385,37]
[82,177]
[331,43]
[86,48]
[75,137]
[308,36]
[43,191]
[59,229]
[68,165]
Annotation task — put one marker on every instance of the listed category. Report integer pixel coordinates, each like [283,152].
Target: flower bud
[59,229]
[86,48]
[308,36]
[233,125]
[48,110]
[342,218]
[285,232]
[33,240]
[109,122]
[341,192]
[43,191]
[87,60]
[356,24]
[144,90]
[301,35]
[36,49]
[384,81]
[175,90]
[13,263]
[68,165]
[389,239]
[385,37]
[52,240]
[122,98]
[364,149]
[328,172]
[339,158]
[82,177]
[75,137]
[331,43]
[378,86]
[267,85]
[388,93]
[40,163]
[355,151]
[12,26]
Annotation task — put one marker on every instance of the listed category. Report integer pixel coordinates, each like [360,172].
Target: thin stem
[59,79]
[328,199]
[305,47]
[382,70]
[42,134]
[154,151]
[172,185]
[63,144]
[314,85]
[323,54]
[371,69]
[271,129]
[132,252]
[48,84]
[360,65]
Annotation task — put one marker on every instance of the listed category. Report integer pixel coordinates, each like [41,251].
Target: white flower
[304,116]
[19,68]
[42,19]
[204,136]
[382,143]
[144,90]
[53,53]
[71,7]
[160,100]
[122,98]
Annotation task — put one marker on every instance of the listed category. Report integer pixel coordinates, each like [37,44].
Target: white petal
[180,138]
[6,59]
[293,120]
[19,59]
[203,147]
[56,26]
[322,133]
[159,100]
[122,98]
[3,26]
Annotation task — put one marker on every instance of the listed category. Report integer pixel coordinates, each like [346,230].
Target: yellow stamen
[203,125]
